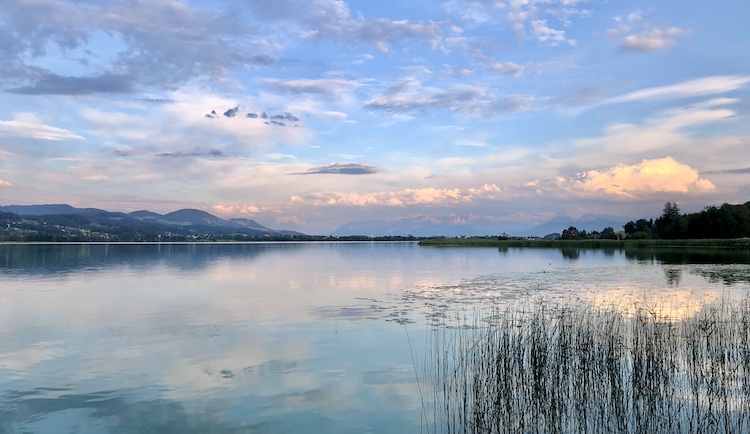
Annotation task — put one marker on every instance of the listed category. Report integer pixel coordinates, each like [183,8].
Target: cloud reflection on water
[275,337]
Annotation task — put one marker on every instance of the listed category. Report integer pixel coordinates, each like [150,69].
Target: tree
[608,233]
[669,216]
[571,233]
[629,227]
[671,210]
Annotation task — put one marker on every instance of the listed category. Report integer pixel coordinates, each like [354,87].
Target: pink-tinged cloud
[643,180]
[287,219]
[5,184]
[487,191]
[27,125]
[237,209]
[423,196]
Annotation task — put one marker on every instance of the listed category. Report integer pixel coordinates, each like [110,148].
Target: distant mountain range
[471,225]
[181,222]
[191,222]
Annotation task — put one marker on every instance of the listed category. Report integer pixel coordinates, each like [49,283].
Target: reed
[573,369]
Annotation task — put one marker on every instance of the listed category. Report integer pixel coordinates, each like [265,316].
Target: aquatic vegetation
[569,368]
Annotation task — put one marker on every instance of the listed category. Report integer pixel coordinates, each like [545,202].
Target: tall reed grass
[581,369]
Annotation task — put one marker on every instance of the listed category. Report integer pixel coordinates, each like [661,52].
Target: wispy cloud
[699,87]
[27,125]
[471,101]
[53,84]
[334,88]
[341,169]
[742,171]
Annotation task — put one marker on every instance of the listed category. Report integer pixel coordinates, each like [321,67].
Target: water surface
[309,337]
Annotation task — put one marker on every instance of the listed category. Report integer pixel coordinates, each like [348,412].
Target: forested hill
[66,223]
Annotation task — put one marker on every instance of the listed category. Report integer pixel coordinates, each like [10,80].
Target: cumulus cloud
[290,219]
[244,209]
[655,39]
[27,125]
[341,169]
[638,37]
[544,33]
[644,180]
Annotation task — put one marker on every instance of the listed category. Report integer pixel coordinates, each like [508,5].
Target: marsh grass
[577,368]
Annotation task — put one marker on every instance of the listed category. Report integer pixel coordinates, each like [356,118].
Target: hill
[60,222]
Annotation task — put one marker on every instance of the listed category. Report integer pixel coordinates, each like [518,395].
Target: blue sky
[310,114]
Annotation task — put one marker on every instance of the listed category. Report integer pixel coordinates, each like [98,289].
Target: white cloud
[698,87]
[667,132]
[637,36]
[287,219]
[665,175]
[5,184]
[641,181]
[508,68]
[651,40]
[244,209]
[27,125]
[543,33]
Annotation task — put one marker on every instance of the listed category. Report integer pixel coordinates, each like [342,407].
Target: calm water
[279,338]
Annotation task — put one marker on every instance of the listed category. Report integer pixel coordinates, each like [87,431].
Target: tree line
[720,222]
[713,222]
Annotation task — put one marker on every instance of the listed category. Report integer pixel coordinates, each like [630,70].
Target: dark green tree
[571,233]
[608,233]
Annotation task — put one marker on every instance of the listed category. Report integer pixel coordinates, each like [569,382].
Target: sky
[308,114]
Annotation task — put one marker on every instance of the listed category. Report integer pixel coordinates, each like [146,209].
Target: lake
[283,338]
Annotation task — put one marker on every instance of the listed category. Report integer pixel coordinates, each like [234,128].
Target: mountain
[587,222]
[184,222]
[247,223]
[187,217]
[428,226]
[39,209]
[472,225]
[144,215]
